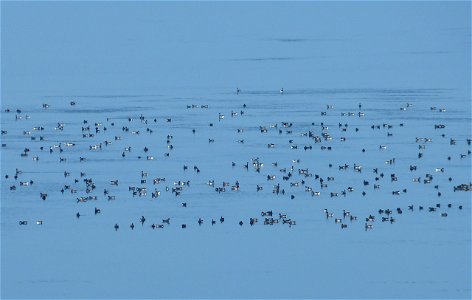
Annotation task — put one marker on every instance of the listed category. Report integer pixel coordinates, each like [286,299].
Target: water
[124,60]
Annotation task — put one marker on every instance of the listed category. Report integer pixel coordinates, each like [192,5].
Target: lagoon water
[123,60]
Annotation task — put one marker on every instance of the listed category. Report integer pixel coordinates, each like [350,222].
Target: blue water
[124,60]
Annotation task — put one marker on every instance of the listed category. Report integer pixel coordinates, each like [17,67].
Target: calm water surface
[124,60]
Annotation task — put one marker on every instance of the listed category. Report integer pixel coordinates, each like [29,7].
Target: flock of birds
[284,179]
